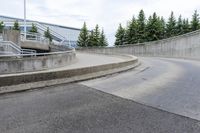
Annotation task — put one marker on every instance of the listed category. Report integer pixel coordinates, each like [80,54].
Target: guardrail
[62,40]
[38,54]
[40,27]
[44,28]
[34,37]
[12,49]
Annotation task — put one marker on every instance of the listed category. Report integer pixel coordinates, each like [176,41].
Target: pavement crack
[146,68]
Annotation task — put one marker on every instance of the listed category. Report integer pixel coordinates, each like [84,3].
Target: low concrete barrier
[36,63]
[19,82]
[56,48]
[184,46]
[36,45]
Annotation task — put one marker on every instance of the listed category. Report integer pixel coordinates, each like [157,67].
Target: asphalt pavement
[168,84]
[160,96]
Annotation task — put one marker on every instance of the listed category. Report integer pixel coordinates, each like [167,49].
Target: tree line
[140,29]
[93,38]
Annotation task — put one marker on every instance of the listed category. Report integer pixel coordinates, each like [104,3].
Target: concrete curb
[25,82]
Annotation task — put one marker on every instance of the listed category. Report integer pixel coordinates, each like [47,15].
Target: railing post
[24,20]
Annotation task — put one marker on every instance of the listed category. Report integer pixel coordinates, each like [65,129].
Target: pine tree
[47,34]
[33,29]
[195,21]
[171,26]
[163,28]
[83,36]
[186,26]
[16,26]
[179,26]
[91,40]
[96,35]
[131,32]
[149,29]
[102,39]
[154,28]
[120,35]
[141,36]
[1,26]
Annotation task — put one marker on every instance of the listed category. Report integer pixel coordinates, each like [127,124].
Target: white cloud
[107,13]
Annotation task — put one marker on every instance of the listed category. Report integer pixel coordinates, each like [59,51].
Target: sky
[106,13]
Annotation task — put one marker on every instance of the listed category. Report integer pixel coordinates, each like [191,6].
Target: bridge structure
[112,89]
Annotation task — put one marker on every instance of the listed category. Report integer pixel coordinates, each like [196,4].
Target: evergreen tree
[180,26]
[1,26]
[163,28]
[141,21]
[120,36]
[186,26]
[154,28]
[47,34]
[102,39]
[195,21]
[33,29]
[83,36]
[171,26]
[131,32]
[16,26]
[149,29]
[91,40]
[96,36]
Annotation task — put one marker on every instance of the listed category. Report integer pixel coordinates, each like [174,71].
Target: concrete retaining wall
[35,45]
[184,46]
[69,75]
[12,35]
[42,62]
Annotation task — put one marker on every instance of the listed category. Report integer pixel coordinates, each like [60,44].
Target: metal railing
[10,48]
[44,28]
[58,39]
[34,37]
[41,27]
[38,54]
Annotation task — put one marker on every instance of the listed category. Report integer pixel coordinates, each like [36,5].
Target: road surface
[160,96]
[169,84]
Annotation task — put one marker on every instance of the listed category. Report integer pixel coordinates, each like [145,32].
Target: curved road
[160,96]
[169,84]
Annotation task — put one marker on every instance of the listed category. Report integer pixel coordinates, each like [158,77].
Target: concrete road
[79,109]
[169,84]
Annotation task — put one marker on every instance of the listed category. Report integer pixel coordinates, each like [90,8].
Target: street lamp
[25,19]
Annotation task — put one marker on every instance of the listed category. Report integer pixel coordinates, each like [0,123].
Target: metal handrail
[10,44]
[39,26]
[34,37]
[38,54]
[16,48]
[51,31]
